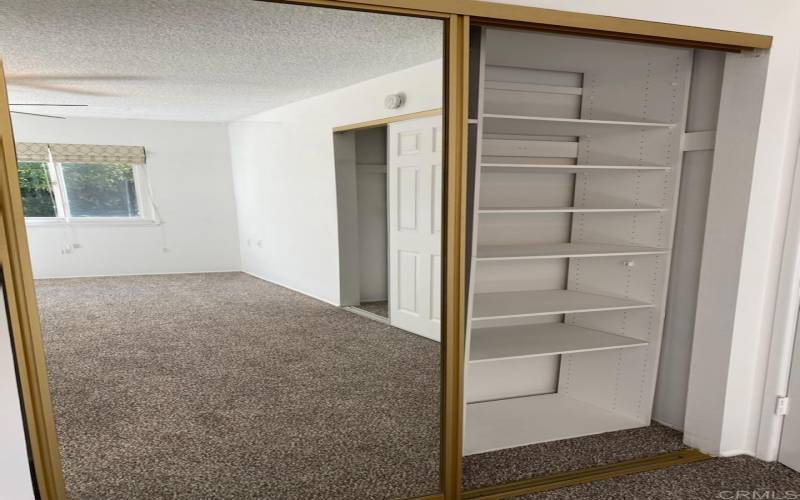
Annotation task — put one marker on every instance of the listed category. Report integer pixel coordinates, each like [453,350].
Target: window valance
[90,153]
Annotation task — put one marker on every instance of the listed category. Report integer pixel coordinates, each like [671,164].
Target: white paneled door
[790,440]
[415,225]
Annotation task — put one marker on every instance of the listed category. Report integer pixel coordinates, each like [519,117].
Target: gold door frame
[18,277]
[23,318]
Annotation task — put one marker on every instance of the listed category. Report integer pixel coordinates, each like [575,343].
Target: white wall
[189,169]
[283,165]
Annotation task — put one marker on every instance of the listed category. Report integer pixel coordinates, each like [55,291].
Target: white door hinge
[782,406]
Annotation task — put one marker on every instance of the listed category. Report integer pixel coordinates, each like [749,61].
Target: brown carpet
[525,462]
[741,478]
[718,478]
[225,386]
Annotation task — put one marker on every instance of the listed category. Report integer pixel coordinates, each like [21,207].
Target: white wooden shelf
[497,305]
[561,251]
[542,125]
[507,423]
[541,171]
[535,168]
[532,87]
[544,339]
[544,210]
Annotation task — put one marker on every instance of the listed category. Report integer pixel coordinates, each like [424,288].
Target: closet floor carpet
[739,477]
[226,386]
[525,462]
[380,308]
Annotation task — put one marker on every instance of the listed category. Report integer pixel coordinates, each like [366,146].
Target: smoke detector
[394,101]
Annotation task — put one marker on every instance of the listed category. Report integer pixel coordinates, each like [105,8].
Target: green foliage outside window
[34,184]
[100,190]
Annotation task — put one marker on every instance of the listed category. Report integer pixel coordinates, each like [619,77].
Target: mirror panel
[239,283]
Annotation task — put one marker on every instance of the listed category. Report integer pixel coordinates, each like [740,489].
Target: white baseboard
[134,274]
[321,299]
[736,453]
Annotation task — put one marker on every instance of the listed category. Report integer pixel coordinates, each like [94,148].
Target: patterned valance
[90,153]
[32,151]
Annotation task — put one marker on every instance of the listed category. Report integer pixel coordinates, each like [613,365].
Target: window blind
[80,153]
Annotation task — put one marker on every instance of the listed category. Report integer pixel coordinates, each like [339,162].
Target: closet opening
[591,173]
[370,294]
[388,198]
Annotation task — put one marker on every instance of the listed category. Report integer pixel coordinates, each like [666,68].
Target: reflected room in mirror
[236,244]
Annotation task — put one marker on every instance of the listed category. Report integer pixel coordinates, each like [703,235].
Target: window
[79,190]
[76,182]
[100,190]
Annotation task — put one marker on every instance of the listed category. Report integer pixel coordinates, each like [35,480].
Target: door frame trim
[23,318]
[380,122]
[563,22]
[784,339]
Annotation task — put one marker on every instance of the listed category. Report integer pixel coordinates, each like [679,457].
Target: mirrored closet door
[202,241]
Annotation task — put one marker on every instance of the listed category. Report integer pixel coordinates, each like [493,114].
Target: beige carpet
[225,386]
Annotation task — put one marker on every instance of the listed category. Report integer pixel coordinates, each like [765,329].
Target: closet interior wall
[372,214]
[669,405]
[578,158]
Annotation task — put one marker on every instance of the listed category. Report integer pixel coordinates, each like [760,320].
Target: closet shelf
[532,87]
[534,168]
[542,125]
[498,305]
[544,210]
[507,423]
[561,250]
[544,339]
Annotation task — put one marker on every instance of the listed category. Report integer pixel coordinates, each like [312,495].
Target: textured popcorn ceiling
[214,60]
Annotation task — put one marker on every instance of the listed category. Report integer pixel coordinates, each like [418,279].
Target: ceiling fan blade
[43,104]
[73,77]
[62,88]
[38,114]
